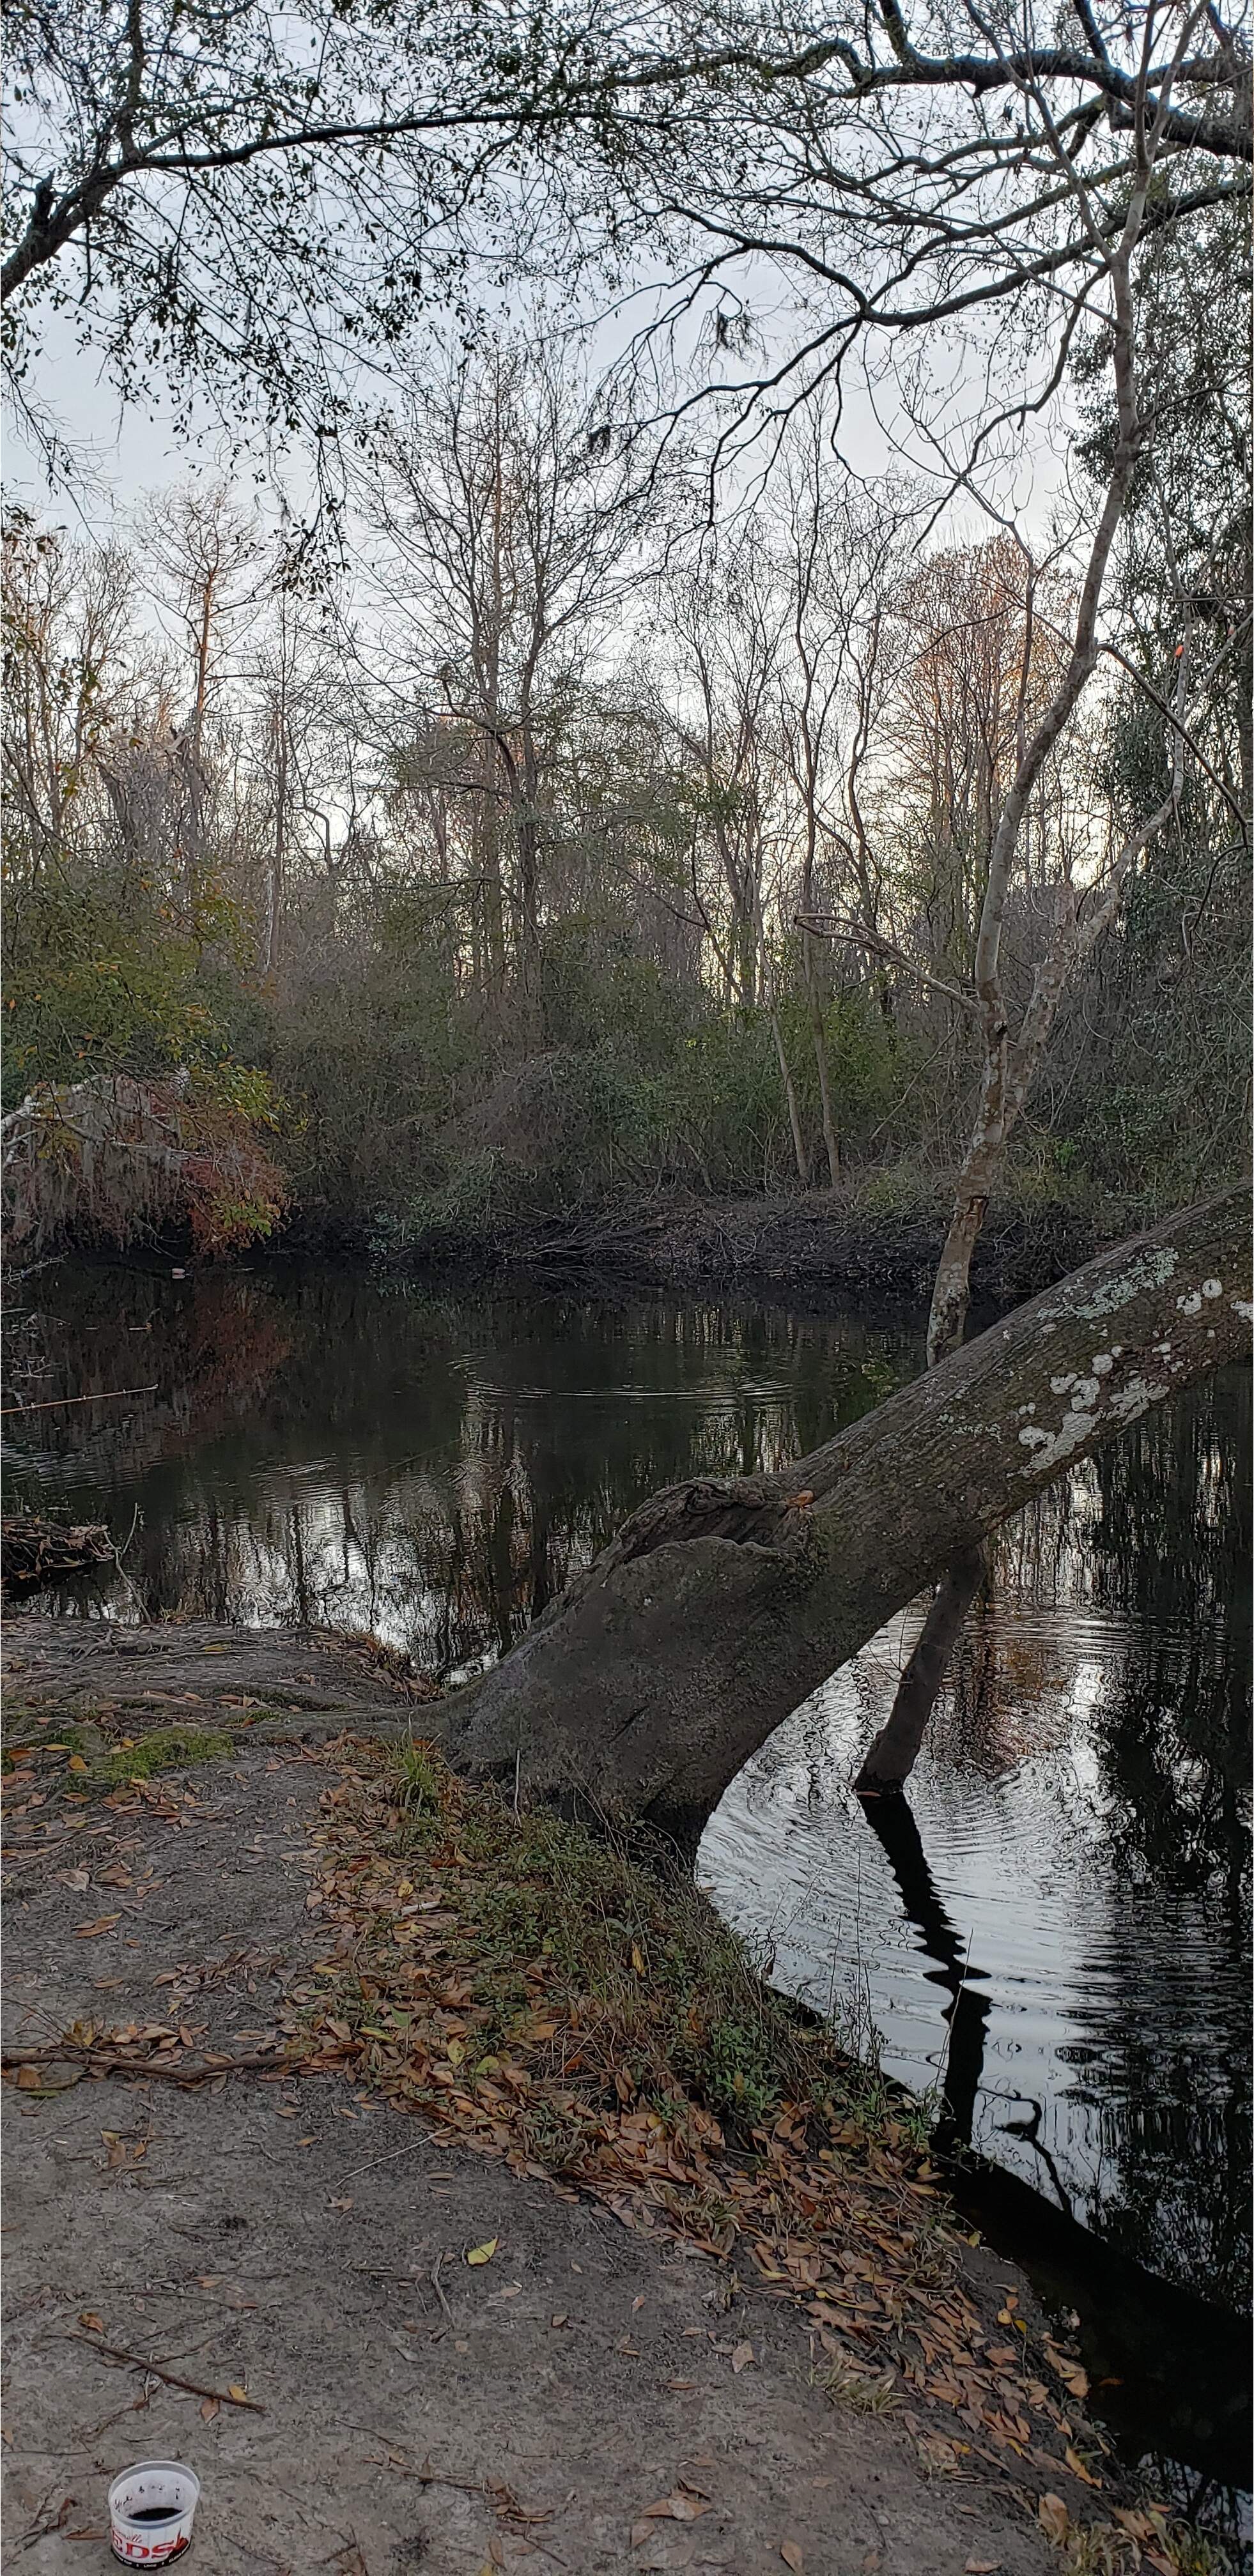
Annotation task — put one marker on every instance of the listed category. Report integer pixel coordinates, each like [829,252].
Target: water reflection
[323,1447]
[1171,2362]
[1055,1930]
[966,2015]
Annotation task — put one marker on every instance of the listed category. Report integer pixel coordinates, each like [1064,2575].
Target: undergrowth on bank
[574,2006]
[670,2003]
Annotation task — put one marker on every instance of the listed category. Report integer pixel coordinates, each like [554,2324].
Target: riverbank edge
[810,2088]
[883,1234]
[98,1733]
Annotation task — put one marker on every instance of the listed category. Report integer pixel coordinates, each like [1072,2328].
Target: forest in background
[547,841]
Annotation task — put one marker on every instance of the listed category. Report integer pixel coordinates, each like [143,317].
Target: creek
[1049,1937]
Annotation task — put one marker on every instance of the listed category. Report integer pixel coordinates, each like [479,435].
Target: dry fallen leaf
[1137,2525]
[982,2567]
[483,2253]
[91,1931]
[210,2407]
[76,1763]
[88,2317]
[1077,2468]
[233,2389]
[678,2507]
[56,2079]
[1072,2373]
[742,2357]
[790,2552]
[1053,2517]
[666,2549]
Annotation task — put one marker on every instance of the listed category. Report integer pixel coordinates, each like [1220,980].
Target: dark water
[1053,1936]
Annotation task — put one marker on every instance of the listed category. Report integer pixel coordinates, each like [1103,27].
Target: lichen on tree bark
[720,1605]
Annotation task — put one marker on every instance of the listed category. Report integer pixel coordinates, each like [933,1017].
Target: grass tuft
[668,2001]
[162,1748]
[868,2394]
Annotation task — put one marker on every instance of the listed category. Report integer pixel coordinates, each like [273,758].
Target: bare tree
[725,623]
[300,724]
[839,551]
[204,554]
[920,179]
[510,548]
[69,670]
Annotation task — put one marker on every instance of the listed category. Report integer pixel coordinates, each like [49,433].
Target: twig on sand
[140,2361]
[438,2287]
[386,2157]
[108,2061]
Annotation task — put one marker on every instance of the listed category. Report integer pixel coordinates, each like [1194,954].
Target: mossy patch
[164,1748]
[77,1758]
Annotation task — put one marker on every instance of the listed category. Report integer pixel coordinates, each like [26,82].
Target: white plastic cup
[151,2510]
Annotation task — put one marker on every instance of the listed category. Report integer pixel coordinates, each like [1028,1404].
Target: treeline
[559,848]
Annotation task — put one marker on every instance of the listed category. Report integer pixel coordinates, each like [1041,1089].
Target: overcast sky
[131,452]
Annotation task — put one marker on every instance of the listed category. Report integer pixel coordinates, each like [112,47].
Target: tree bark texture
[720,1605]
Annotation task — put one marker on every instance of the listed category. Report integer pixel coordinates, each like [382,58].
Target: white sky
[133,451]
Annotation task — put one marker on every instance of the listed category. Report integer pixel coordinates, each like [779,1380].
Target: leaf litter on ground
[576,2009]
[484,1969]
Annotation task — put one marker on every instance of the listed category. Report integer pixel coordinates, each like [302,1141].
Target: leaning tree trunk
[720,1605]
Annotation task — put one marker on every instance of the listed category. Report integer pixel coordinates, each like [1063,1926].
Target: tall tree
[509,541]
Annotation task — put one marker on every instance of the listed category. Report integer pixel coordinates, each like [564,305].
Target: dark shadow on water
[1171,2373]
[891,1820]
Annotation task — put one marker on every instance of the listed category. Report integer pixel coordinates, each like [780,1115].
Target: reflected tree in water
[433,1468]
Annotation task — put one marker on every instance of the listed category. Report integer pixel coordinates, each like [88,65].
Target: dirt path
[285,2237]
